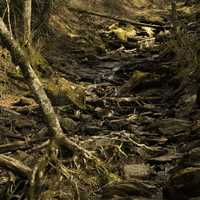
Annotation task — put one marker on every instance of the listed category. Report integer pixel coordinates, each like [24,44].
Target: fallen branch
[19,145]
[116,18]
[15,165]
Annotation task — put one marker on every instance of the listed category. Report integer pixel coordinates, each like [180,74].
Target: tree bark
[27,22]
[20,58]
[9,17]
[15,165]
[174,16]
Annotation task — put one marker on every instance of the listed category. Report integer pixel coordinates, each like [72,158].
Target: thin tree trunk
[19,58]
[9,17]
[174,16]
[27,23]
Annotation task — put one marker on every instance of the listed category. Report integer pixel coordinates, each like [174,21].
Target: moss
[123,34]
[108,177]
[62,92]
[138,75]
[40,63]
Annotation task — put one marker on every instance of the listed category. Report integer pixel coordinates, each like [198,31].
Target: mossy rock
[185,182]
[138,74]
[68,124]
[123,33]
[136,79]
[40,63]
[63,92]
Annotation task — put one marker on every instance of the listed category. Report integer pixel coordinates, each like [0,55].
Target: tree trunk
[27,22]
[19,58]
[9,17]
[174,16]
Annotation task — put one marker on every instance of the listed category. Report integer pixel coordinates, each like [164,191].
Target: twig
[22,145]
[116,18]
[9,111]
[40,146]
[65,172]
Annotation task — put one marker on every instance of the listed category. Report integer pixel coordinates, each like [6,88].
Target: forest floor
[140,118]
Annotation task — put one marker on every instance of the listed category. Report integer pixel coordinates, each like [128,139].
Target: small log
[15,165]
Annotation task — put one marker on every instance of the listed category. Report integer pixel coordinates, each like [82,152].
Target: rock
[195,198]
[184,183]
[90,129]
[101,113]
[68,124]
[137,171]
[165,158]
[116,124]
[191,157]
[137,78]
[62,92]
[129,189]
[194,154]
[40,64]
[24,123]
[172,126]
[24,101]
[123,33]
[86,118]
[163,36]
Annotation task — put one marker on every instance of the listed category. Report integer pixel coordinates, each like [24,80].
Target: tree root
[15,166]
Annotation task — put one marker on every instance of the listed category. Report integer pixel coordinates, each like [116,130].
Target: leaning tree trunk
[27,23]
[19,58]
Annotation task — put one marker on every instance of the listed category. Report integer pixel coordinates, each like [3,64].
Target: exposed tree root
[20,58]
[15,165]
[58,138]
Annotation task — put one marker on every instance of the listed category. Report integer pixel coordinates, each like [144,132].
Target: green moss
[108,177]
[123,34]
[63,92]
[40,64]
[138,74]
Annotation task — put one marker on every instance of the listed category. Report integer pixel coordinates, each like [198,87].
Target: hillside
[124,85]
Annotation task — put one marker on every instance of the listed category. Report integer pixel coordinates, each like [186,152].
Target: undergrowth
[186,48]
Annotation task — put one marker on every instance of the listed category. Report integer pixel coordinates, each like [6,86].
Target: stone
[184,182]
[63,92]
[137,171]
[24,123]
[68,124]
[171,126]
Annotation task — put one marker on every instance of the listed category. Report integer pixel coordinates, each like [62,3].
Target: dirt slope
[128,107]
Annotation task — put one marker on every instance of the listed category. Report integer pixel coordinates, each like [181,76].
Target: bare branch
[135,23]
[15,165]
